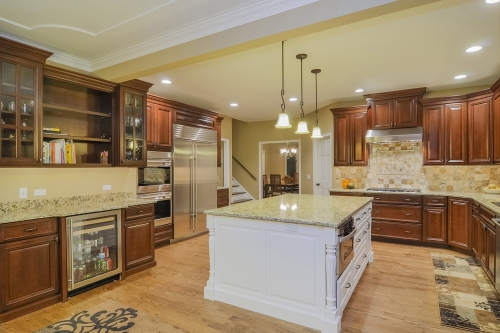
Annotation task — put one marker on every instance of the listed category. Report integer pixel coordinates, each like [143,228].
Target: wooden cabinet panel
[28,229]
[358,143]
[481,247]
[163,127]
[459,216]
[382,114]
[222,197]
[475,225]
[456,133]
[405,112]
[396,198]
[163,234]
[490,253]
[342,140]
[434,223]
[397,230]
[397,213]
[139,211]
[434,200]
[29,271]
[348,194]
[480,124]
[433,123]
[150,124]
[139,242]
[496,128]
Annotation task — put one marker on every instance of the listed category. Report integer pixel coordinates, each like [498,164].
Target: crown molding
[228,20]
[71,61]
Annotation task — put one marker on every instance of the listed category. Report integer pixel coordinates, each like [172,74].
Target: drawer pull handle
[348,286]
[359,218]
[364,255]
[30,229]
[139,212]
[358,240]
[408,214]
[407,199]
[435,201]
[408,232]
[364,232]
[377,198]
[156,238]
[358,267]
[364,213]
[377,211]
[378,229]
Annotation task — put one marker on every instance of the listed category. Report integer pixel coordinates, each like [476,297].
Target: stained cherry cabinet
[349,136]
[434,219]
[159,126]
[480,129]
[496,121]
[459,219]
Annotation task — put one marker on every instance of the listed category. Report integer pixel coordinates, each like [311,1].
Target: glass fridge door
[94,247]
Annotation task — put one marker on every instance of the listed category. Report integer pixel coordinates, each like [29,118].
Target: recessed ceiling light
[234,104]
[166,81]
[293,99]
[458,77]
[492,1]
[474,48]
[359,90]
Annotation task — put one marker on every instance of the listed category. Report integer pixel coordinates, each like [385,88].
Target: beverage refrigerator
[94,248]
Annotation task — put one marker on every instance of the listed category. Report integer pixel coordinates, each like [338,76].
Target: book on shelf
[59,151]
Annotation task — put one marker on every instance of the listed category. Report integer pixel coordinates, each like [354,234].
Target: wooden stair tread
[236,193]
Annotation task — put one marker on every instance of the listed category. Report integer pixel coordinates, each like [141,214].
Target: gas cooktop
[403,190]
[496,203]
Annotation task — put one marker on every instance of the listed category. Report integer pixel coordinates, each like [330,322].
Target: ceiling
[218,52]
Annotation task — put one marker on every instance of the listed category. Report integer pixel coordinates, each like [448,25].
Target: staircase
[239,194]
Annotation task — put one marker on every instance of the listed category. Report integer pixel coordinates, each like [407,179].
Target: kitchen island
[279,256]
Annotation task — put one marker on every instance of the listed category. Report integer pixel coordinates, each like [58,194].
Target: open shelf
[54,107]
[77,165]
[74,138]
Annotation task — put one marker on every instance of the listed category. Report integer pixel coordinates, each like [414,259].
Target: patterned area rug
[467,299]
[109,317]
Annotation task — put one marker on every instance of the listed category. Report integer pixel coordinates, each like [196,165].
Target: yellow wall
[226,133]
[65,182]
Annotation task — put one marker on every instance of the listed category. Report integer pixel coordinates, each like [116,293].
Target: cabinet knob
[407,199]
[358,267]
[435,201]
[407,232]
[376,198]
[408,214]
[377,212]
[139,212]
[348,286]
[378,229]
[56,240]
[364,255]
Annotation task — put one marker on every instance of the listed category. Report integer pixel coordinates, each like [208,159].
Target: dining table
[287,188]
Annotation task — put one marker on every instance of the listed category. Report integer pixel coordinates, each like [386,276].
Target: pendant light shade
[283,121]
[316,130]
[302,127]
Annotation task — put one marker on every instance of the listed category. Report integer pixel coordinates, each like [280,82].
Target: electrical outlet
[106,187]
[23,193]
[308,176]
[40,192]
[291,227]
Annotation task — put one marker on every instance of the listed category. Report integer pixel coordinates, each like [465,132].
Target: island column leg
[209,291]
[331,322]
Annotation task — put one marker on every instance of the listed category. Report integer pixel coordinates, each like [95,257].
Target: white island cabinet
[278,256]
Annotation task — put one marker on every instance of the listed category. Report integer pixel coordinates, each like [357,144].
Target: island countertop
[326,211]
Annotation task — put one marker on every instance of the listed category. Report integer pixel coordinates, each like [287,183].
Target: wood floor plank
[397,293]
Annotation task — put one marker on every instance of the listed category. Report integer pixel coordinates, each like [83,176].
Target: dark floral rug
[467,299]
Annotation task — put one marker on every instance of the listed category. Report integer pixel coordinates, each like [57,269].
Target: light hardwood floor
[396,294]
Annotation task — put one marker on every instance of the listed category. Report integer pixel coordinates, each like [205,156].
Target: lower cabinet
[484,239]
[222,197]
[435,214]
[459,217]
[163,234]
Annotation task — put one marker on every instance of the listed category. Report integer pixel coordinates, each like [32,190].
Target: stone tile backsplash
[399,165]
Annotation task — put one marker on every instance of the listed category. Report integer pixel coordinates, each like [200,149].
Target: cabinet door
[133,148]
[150,133]
[459,216]
[490,252]
[163,125]
[480,125]
[342,139]
[434,224]
[139,242]
[496,128]
[433,127]
[382,114]
[358,144]
[456,133]
[476,224]
[481,246]
[29,271]
[405,112]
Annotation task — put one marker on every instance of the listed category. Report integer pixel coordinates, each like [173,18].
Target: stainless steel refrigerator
[194,164]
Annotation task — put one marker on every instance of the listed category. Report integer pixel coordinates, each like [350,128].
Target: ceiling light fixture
[359,90]
[166,81]
[474,48]
[316,130]
[288,152]
[458,77]
[293,99]
[492,1]
[302,127]
[283,121]
[234,104]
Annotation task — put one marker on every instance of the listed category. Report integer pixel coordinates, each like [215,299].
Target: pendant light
[302,127]
[283,121]
[316,130]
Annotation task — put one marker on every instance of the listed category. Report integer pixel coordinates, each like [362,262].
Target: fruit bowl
[490,190]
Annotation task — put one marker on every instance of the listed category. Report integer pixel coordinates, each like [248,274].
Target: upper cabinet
[496,121]
[395,109]
[159,124]
[21,84]
[480,127]
[130,145]
[349,127]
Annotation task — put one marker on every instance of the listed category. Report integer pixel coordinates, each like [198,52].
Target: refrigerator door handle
[69,249]
[196,188]
[191,208]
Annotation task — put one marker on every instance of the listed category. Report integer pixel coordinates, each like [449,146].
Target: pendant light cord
[316,80]
[282,79]
[301,94]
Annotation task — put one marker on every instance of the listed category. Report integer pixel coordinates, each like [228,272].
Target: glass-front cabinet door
[18,113]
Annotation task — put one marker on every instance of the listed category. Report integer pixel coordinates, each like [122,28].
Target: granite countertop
[326,211]
[35,209]
[482,198]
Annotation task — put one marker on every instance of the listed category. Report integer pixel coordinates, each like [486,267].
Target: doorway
[322,165]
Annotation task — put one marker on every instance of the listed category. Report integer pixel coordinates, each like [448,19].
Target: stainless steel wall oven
[346,246]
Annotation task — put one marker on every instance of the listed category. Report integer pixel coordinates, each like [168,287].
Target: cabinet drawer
[347,194]
[163,236]
[224,201]
[397,230]
[162,228]
[396,198]
[432,200]
[28,229]
[487,215]
[138,211]
[397,213]
[223,192]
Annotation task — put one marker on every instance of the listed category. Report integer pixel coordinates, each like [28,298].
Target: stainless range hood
[394,134]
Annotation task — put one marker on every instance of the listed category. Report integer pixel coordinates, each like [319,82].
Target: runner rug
[467,299]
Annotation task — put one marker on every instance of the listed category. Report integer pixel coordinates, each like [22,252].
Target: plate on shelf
[488,190]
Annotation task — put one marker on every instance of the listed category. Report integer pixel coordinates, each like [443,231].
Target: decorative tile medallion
[467,299]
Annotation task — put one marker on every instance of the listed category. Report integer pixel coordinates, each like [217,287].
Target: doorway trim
[315,163]
[227,170]
[260,162]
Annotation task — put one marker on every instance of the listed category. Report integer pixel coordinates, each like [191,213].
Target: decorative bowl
[488,190]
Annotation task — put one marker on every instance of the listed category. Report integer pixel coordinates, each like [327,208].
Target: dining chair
[295,188]
[276,188]
[266,189]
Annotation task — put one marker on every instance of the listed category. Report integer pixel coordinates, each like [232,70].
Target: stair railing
[253,177]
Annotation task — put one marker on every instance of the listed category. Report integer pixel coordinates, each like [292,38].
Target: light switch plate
[308,176]
[23,193]
[40,192]
[106,187]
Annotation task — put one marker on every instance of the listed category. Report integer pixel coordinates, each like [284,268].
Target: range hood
[394,134]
